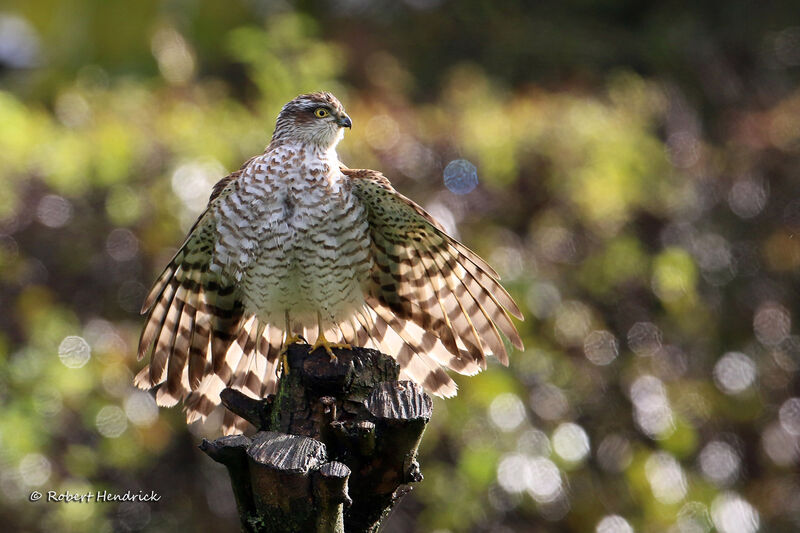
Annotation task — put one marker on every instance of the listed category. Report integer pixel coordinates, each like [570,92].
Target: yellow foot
[322,342]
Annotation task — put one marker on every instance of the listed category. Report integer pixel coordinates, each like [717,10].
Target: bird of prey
[296,245]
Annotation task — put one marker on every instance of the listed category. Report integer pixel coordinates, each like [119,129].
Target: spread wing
[424,283]
[197,333]
[429,301]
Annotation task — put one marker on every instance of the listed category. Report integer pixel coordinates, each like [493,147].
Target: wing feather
[410,352]
[484,325]
[194,315]
[423,277]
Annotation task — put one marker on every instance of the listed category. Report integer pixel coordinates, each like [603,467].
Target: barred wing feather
[440,298]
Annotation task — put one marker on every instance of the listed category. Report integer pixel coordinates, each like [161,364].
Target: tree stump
[335,448]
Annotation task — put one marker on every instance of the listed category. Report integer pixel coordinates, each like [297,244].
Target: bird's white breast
[294,237]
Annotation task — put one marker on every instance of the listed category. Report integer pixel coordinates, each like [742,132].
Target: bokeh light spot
[54,211]
[512,471]
[47,401]
[694,518]
[130,295]
[782,447]
[460,176]
[732,514]
[382,132]
[556,243]
[141,408]
[35,470]
[747,198]
[789,414]
[111,421]
[103,336]
[720,463]
[666,477]
[539,476]
[613,524]
[192,181]
[712,252]
[734,373]
[543,480]
[122,245]
[549,402]
[683,149]
[571,442]
[644,338]
[534,442]
[652,412]
[175,58]
[19,42]
[444,215]
[600,347]
[413,159]
[507,411]
[573,321]
[74,351]
[543,299]
[72,109]
[772,323]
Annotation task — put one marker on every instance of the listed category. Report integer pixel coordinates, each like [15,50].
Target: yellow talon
[322,342]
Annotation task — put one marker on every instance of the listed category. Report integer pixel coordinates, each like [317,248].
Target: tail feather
[177,363]
[201,402]
[274,339]
[198,350]
[414,364]
[155,318]
[160,284]
[165,341]
[250,366]
[416,350]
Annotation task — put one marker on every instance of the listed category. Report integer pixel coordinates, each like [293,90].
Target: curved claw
[322,342]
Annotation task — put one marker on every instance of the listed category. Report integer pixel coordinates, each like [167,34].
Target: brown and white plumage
[296,241]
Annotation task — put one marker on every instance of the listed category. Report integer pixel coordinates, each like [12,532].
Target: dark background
[638,192]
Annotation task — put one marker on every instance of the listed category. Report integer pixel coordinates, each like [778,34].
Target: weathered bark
[335,449]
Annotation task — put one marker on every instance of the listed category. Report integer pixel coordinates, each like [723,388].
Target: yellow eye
[321,112]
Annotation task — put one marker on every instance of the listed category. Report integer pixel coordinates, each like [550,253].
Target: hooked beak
[344,122]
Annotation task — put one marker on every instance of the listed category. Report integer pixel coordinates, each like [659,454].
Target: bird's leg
[322,342]
[289,338]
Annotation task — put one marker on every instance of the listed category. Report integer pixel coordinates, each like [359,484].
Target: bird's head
[315,118]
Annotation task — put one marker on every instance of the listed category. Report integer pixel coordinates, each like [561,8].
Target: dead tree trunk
[335,447]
